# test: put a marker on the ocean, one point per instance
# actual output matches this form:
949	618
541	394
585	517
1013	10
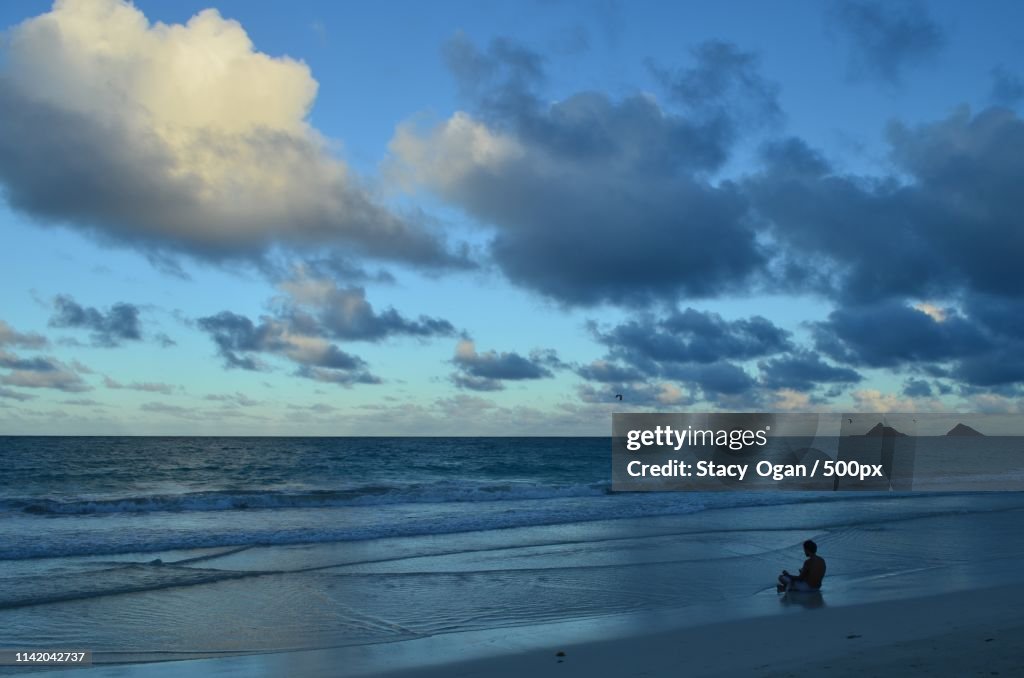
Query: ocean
148	549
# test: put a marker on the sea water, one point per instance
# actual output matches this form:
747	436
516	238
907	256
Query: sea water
165	548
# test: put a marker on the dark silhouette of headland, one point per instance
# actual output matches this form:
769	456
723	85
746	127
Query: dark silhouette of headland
880	430
963	430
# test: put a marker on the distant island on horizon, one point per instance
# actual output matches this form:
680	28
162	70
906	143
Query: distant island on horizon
963	430
881	430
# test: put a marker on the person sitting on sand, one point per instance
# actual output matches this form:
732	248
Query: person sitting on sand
810	575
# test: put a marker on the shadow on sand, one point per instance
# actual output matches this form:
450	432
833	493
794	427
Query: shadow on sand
811	600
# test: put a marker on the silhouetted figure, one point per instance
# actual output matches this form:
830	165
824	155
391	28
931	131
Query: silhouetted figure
810	575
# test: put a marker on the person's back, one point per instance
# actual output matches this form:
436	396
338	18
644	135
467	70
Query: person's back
811	574
813	571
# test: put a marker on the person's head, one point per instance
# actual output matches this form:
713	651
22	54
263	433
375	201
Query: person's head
810	548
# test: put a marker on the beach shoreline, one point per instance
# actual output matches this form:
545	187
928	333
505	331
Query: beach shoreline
630	595
977	632
953	634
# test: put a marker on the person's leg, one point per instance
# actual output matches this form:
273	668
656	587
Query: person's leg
784	582
797	585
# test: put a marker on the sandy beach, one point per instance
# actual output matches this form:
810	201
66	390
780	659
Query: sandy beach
976	633
916	586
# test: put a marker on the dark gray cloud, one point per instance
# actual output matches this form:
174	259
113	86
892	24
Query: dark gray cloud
980	345
1007	87
891	334
692	336
593	198
237	337
684	355
241	342
1001	367
319	306
343	372
312	312
947	225
886	38
804	370
715	380
14	362
917	388
500	80
119	323
487	371
792	158
590	203
1002	316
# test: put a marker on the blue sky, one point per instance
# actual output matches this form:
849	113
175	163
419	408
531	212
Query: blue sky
491	218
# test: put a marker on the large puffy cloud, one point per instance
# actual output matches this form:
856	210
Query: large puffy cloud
179	138
596	199
980	345
948	224
593	199
692	336
650	357
892	333
946	228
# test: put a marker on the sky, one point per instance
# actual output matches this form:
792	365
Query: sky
494	218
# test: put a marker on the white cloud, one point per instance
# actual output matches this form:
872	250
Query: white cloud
934	312
179	137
